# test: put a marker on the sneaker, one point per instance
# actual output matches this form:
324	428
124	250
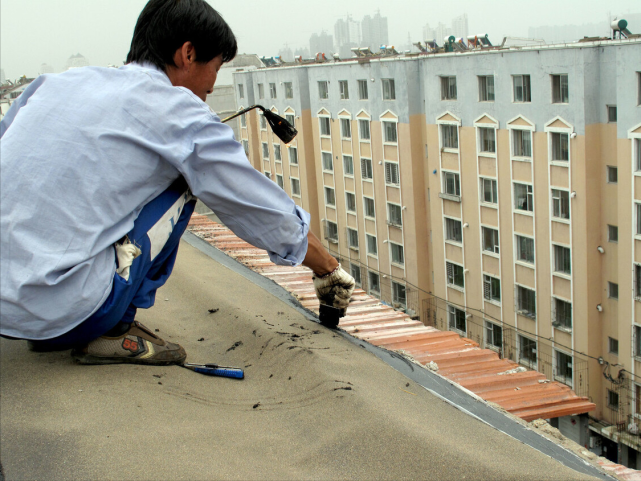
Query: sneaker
136	346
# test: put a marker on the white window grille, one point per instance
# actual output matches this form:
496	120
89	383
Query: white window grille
366	169
391	173
491	288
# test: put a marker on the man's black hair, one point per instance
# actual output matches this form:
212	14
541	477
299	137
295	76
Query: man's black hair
165	25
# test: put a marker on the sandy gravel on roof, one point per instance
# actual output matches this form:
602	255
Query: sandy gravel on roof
312	406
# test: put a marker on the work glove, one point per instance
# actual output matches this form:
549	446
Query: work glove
334	289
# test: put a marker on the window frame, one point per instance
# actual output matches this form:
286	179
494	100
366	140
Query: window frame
391	89
492	327
373	275
484	88
563	323
347	202
457	182
276	148
355	272
482	141
529	197
397	298
328	232
345	128
392	173
397	254
519	143
489	288
352	234
455	319
265	150
323	88
454	275
289	90
361	123
292	182
325	121
610	170
494	248
330	196
449	137
361	91
290	149
367	162
451	222
371	243
343	89
559	202
449	90
280	181
519	253
561	373
562	257
272	90
612	114
557	145
526	87
494	193
557	97
324	156
348	167
366	204
528	351
388	138
261	90
613	290
390	218
613	234
613	346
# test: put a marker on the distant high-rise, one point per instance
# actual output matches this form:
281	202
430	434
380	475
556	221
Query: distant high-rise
322	42
46	68
347	35
76	61
459	26
374	31
302	52
286	54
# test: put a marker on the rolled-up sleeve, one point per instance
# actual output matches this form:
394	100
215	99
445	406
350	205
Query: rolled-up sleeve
246	201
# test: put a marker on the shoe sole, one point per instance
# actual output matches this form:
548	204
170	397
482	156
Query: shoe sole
88	359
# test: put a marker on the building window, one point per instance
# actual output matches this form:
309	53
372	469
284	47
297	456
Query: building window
261	91
449	136
279	181
491	288
525	249
448	88
330	198
397	253
522	88
289	90
490	240
290	119
350	202
493	335
372	247
243	120
368	205
277	156
389	129
348	165
295	186
637	283
265	150
394	215
613	400
560	204
613	174
389	92
456	319
613	233
246	147
272	90
399	295
363	128
637	343
613	346
560	147
391	173
562	314
323	89
451	184
344	89
328	164
637	208
293	155
241	91
355	272
325	130
523	197
563	368
374	282
613	290
612	113
352	238
453	231
526	301
521	143
527	350
346	129
263	121
362	90
366	169
489	191
637	155
486	88
332	231
268	174
562	260
455	276
487	140
560	91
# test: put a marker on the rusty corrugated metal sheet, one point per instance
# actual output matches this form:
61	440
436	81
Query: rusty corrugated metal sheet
528	394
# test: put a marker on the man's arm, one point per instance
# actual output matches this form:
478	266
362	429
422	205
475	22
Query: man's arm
20	102
317	258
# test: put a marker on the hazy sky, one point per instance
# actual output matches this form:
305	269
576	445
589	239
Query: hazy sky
33	32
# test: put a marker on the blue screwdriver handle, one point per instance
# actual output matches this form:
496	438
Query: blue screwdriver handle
222	372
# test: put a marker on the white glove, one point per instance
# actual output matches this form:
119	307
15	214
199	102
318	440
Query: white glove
334	289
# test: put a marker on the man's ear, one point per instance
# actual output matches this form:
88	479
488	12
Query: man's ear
185	56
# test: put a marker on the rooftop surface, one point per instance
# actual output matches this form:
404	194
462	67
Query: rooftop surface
313	404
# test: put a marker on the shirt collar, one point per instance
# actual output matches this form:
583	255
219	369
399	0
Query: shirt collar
149	68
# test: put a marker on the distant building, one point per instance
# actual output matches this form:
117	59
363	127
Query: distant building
286	54
76	61
322	42
10	91
374	31
46	68
571	33
459	26
439	33
347	35
302	52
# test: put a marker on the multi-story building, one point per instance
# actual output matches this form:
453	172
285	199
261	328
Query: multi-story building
320	43
347	35
493	192
374	31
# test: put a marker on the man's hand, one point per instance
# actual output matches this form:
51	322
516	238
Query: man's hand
334	289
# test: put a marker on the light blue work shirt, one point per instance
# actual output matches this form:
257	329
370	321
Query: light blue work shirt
81	153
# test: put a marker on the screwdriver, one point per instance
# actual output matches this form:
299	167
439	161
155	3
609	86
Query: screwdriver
215	370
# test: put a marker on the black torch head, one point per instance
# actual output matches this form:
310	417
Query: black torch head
283	129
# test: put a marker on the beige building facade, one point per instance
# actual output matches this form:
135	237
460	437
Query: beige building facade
495	193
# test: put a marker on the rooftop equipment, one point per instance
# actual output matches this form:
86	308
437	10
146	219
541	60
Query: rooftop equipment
620	26
388	50
479	41
431	45
420	46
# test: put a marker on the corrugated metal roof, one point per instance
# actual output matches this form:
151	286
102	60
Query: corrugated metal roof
527	394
